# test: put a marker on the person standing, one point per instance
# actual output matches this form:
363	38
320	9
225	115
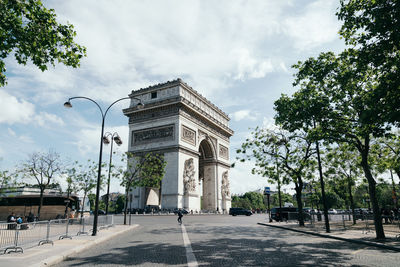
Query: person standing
180	215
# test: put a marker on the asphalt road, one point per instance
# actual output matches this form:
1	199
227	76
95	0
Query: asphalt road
215	240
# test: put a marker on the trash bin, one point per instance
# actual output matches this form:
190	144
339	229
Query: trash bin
319	217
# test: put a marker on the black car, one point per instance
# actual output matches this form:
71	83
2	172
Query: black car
239	211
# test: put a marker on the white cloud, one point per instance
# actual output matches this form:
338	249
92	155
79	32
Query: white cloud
250	67
206	43
244	114
87	140
13	110
315	26
269	123
44	118
241	179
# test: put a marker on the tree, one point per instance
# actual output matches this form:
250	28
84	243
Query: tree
256	200
142	171
240	202
343	164
30	31
119	204
343	110
386	152
285	197
85	178
267	165
291	151
5	180
43	167
372	27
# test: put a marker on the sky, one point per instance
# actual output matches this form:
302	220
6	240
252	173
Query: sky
238	54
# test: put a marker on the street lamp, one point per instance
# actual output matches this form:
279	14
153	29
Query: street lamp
103	116
114	137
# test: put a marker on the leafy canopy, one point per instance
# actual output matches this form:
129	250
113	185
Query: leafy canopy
30	32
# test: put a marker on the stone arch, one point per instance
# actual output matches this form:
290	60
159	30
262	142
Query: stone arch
207	175
193	135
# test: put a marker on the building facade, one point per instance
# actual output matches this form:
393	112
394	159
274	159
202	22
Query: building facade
193	135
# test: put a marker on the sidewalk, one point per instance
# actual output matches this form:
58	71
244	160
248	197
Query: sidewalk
355	234
47	255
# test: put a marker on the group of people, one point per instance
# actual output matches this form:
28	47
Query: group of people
389	215
12	219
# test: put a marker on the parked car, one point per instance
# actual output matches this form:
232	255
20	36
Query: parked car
332	211
239	211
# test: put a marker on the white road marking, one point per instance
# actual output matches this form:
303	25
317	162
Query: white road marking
191	259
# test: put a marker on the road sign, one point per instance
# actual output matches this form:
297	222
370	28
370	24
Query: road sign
267	190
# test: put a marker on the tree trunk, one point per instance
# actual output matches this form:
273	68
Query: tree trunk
351	200
279	193
321	180
83	204
394	194
40	202
126	204
299	187
380	234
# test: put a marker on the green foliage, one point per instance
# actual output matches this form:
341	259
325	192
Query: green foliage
84	178
333	200
281	156
145	171
240	202
274	199
256	200
31	33
372	27
119	204
5	179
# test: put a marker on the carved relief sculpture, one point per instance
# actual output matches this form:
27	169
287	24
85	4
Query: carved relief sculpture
225	185
223	152
157	134
188	135
189	181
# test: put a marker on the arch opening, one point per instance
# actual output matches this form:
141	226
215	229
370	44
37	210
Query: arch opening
207	178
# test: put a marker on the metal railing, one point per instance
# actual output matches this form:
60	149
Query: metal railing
17	237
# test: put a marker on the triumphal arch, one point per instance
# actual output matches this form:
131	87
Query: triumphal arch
193	135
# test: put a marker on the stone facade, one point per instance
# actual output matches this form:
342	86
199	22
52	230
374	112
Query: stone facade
193	135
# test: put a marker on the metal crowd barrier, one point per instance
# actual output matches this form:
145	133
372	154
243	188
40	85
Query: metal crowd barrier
17	237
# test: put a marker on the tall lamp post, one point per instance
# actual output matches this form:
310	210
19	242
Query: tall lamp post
114	138
103	116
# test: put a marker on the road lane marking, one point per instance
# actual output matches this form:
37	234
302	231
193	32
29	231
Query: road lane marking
357	251
191	259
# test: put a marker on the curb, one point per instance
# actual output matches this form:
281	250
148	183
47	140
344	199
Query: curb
59	258
362	242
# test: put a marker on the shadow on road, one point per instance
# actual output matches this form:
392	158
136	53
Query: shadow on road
226	246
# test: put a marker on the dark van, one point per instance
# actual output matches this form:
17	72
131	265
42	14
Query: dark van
282	214
287	213
239	211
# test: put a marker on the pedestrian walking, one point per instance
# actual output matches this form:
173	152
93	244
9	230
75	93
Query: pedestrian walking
180	215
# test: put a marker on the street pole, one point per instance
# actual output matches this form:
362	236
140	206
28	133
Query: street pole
103	116
269	210
114	138
109	177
